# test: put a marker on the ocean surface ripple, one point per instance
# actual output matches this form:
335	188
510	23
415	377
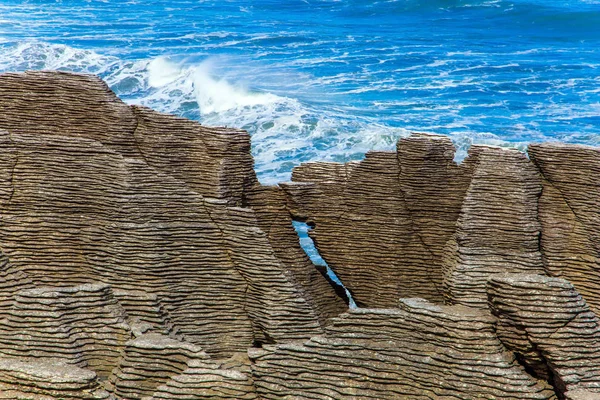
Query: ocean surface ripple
332	79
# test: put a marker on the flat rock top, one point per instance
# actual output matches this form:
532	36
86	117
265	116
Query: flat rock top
50	370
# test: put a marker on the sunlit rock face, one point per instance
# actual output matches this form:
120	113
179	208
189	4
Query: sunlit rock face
141	259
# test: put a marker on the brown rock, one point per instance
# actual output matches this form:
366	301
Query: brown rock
214	162
143	202
419	351
204	379
83	326
569	215
149	361
273	218
497	230
48	379
547	323
364	230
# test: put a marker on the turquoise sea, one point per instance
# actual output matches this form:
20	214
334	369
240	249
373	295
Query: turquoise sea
331	79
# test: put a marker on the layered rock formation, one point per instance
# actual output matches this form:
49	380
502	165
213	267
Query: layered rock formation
568	213
416	351
550	328
141	259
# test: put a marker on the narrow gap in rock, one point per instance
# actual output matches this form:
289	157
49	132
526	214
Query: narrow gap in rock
307	244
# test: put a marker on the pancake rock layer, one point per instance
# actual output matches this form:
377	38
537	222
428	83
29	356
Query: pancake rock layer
550	327
141	259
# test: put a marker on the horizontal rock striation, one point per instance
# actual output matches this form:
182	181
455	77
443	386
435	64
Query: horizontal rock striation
202	379
417	351
550	327
364	229
570	215
83	326
497	230
122	206
141	259
48	379
145	312
415	223
149	361
273	218
214	162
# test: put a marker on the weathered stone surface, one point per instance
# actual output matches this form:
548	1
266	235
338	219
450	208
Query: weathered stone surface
434	188
122	206
48	379
550	327
80	212
416	224
203	379
145	312
59	103
138	250
149	361
273	217
419	351
83	326
569	212
272	296
581	395
497	230
214	162
364	230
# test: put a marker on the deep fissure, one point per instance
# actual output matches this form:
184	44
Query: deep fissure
308	245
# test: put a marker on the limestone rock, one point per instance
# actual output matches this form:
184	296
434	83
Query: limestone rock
125	200
204	379
48	379
581	395
145	312
58	103
570	215
417	224
497	230
139	252
83	326
149	361
551	328
272	296
364	230
214	162
80	212
273	217
418	351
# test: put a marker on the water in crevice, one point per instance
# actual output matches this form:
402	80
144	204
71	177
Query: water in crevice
311	251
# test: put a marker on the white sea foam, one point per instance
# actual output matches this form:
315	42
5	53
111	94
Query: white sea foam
285	131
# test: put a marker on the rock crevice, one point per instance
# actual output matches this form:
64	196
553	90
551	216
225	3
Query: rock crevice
140	258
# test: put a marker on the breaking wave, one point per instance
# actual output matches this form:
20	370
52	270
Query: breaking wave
284	131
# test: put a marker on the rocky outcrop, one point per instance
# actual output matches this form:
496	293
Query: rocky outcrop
83	326
416	224
231	379
570	215
547	323
48	379
149	361
497	230
149	201
141	259
364	229
214	162
416	351
272	216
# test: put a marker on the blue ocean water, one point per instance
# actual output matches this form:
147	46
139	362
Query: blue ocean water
312	252
331	79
